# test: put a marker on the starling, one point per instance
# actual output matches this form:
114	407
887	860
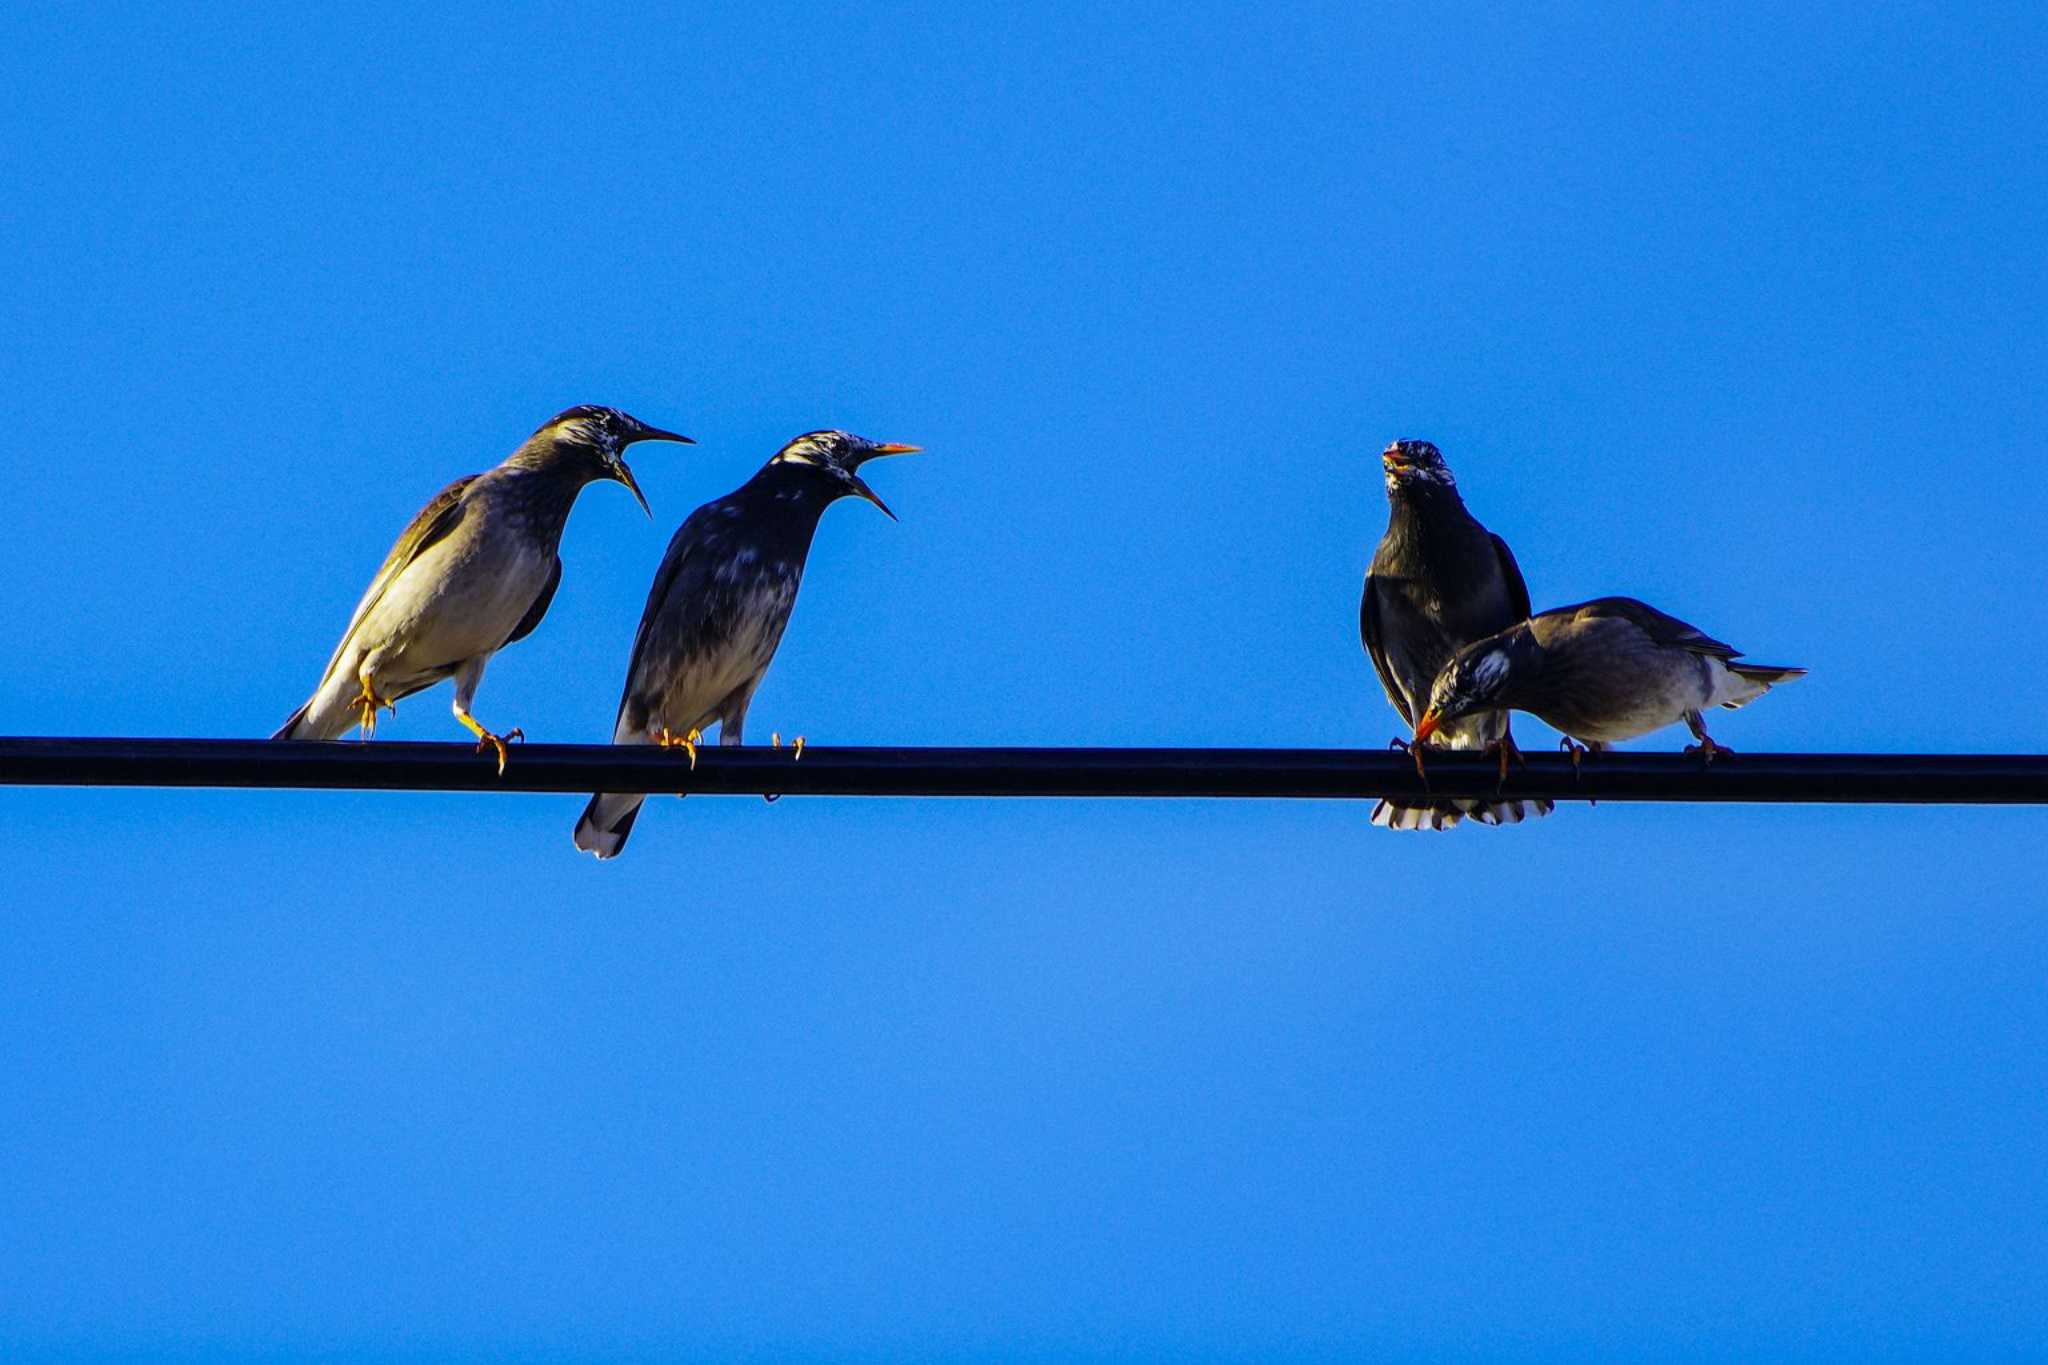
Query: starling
474	571
1438	581
718	607
1598	672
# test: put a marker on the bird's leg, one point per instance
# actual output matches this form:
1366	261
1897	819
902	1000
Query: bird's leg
468	675
367	701
687	743
485	737
1707	749
1576	751
1505	749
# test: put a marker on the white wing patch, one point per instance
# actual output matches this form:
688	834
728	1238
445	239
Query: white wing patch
1488	669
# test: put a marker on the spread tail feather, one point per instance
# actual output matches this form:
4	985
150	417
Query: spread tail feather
1449	814
606	822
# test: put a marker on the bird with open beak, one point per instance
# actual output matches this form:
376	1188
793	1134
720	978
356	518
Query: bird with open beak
1438	581
474	572
1599	672
718	607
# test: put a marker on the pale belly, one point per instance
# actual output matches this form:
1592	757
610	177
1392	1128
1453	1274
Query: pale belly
450	606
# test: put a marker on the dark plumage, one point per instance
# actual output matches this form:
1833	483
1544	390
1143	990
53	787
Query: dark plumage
718	607
474	571
1438	581
1599	672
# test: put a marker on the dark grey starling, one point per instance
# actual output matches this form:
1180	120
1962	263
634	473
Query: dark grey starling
718	607
474	571
1598	672
1438	581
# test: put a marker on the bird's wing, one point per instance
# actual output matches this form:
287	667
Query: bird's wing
1663	629
442	514
1518	588
539	607
681	574
1370	630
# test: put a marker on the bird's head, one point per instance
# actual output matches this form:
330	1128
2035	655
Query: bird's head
834	458
1415	465
598	437
1476	679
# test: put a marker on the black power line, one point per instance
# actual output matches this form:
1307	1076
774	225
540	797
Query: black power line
1924	779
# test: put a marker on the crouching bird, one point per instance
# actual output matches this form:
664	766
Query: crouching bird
474	571
1439	580
1599	672
718	607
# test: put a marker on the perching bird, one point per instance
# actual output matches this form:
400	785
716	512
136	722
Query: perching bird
474	571
1599	672
718	607
1438	581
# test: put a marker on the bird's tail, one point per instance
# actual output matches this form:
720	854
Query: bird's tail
606	822
1747	682
1452	812
326	714
1449	814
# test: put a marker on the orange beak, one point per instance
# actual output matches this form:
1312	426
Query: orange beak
1430	723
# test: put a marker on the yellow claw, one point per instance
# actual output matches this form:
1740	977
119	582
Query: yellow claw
775	741
688	743
367	701
483	737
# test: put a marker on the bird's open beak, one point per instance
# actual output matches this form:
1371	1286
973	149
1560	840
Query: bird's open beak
895	449
624	475
854	483
1431	722
1394	463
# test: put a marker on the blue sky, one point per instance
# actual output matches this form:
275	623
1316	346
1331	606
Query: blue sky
1739	311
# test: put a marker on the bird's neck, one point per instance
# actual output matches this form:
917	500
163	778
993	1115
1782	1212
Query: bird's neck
789	493
1421	516
549	481
545	455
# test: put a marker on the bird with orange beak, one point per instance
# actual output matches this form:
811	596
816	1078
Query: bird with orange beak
1599	672
1439	580
718	607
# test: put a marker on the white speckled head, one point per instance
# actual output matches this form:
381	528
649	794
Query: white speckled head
595	438
837	455
1473	680
1414	465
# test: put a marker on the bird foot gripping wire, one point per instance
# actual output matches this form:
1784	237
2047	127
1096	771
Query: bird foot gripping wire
498	743
485	740
1578	753
775	742
1414	751
687	743
1706	748
1505	749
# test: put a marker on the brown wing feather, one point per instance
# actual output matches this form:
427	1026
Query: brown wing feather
1664	629
440	516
